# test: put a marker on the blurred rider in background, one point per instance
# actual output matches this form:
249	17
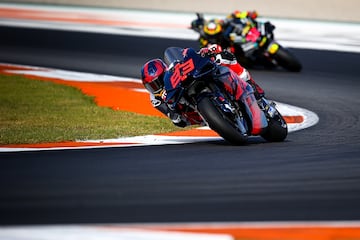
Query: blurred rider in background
153	71
225	32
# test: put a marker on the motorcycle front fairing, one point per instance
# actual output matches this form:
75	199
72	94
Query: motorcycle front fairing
183	63
185	66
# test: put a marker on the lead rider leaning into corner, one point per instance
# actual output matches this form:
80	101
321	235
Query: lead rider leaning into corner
152	74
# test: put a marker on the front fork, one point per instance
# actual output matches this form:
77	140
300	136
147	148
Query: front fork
232	112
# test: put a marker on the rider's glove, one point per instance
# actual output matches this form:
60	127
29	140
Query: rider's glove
210	50
214	48
204	51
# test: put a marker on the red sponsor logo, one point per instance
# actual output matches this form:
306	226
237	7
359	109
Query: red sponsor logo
181	71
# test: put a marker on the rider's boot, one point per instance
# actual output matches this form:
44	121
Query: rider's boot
258	91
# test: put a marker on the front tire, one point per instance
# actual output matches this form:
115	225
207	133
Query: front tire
219	122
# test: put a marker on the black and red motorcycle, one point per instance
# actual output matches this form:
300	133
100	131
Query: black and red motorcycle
257	48
195	84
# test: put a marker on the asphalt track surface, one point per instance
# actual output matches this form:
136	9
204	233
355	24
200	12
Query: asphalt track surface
313	175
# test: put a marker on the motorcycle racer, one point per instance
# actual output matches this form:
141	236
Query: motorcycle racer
152	75
246	17
153	71
226	32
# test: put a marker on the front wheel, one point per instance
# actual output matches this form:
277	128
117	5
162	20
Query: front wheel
219	122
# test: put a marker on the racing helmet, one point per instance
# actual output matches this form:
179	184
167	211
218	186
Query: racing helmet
243	14
238	14
212	30
152	75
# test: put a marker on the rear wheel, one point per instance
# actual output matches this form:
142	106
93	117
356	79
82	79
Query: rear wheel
287	60
277	129
219	122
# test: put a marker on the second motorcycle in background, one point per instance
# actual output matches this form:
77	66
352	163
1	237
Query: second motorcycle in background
251	41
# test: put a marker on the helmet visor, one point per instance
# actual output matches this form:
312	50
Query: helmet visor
156	85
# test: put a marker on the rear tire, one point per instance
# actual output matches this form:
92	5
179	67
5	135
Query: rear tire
277	129
219	122
287	60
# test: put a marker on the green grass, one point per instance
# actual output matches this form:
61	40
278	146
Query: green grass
34	111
